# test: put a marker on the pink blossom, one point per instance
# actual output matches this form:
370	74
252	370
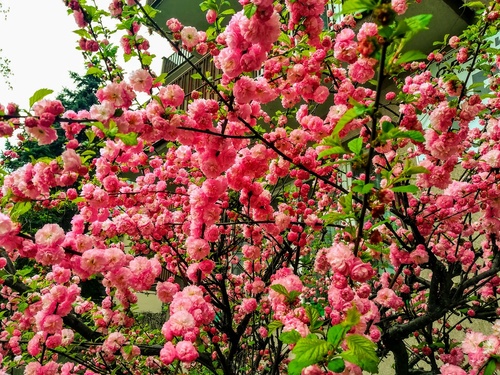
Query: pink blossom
168	353
399	6
113	342
211	16
492	158
244	90
197	248
186	352
6	225
387	298
419	256
166	291
141	80
338	255
362	70
360	271
44	136
189	37
248	305
50	235
180	322
71	160
448	369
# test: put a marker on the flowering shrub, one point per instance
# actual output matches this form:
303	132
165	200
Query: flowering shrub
329	201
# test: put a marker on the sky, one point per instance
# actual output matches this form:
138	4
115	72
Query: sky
38	39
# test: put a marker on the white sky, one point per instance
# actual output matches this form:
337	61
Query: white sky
38	39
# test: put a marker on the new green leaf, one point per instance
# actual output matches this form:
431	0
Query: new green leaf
39	95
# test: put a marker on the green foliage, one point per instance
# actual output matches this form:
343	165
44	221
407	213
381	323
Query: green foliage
39	95
308	351
249	10
362	352
358	6
83	95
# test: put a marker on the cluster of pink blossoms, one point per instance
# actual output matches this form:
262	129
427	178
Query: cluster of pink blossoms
247	41
189	311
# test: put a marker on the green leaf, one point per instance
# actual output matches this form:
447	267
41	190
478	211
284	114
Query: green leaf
405	189
348	116
416	170
273	326
150	11
362	352
475	5
414	135
25	271
310	350
387	126
358	6
346	202
312	315
292	296
332	151
90	135
39	95
336	334
290	337
419	22
160	78
227	12
196	76
336	365
278	288
333	217
356	145
249	10
295	368
22	306
19	209
95	71
130	139
367	188
410	56
147	59
352	317
490	367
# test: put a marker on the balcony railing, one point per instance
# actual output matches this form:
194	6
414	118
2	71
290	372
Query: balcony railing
188	84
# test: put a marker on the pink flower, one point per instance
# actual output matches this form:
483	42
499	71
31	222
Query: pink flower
71	161
248	305
174	25
197	248
166	291
168	353
171	95
448	369
186	352
338	255
50	235
244	90
419	256
361	271
211	16
362	70
492	158
387	298
141	80
189	37
6	225
180	322
44	135
399	6
113	342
